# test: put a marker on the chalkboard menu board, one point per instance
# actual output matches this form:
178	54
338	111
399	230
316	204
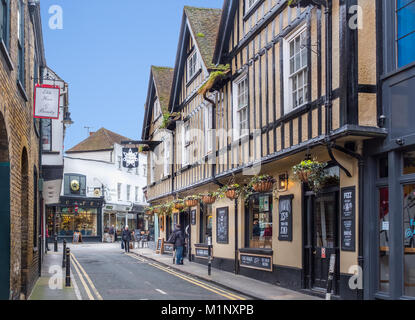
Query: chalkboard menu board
256	261
285	218
193	217
348	219
222	225
160	243
202	253
168	248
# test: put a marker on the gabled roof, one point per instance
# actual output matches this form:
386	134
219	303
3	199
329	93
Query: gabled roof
204	23
163	78
101	140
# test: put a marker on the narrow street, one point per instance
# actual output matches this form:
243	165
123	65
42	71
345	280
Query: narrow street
105	272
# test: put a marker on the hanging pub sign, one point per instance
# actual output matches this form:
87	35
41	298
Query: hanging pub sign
130	158
286	218
348	219
46	102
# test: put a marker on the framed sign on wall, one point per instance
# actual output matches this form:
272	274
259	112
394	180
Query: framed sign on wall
222	225
285	227
46	101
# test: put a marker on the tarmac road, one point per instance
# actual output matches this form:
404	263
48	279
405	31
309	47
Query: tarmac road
104	272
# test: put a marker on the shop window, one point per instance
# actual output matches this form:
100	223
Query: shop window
260	222
384	235
85	222
409	239
206	223
405	13
409	162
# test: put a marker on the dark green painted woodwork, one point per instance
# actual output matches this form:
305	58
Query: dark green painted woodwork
4	230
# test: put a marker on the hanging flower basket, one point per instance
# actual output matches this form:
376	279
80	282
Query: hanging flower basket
208	199
231	194
149	211
157	209
178	204
263	183
191	201
310	172
232	191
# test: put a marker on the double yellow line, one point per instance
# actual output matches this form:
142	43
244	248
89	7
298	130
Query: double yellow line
83	276
221	292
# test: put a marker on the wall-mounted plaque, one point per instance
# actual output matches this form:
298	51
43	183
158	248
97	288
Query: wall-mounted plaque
202	253
348	219
193	217
222	225
254	261
285	226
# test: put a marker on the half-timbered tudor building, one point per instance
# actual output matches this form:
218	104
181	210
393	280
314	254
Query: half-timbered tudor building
302	84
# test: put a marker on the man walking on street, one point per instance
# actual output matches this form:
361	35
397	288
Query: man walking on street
178	244
126	237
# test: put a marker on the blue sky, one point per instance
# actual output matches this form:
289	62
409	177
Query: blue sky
105	51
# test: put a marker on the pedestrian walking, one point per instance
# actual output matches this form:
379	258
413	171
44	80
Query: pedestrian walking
178	240
112	233
126	237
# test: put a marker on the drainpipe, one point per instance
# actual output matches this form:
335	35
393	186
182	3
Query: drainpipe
236	238
329	70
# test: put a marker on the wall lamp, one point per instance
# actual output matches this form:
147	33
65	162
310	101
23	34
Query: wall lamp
283	182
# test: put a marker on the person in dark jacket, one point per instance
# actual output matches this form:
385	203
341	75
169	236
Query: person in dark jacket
178	244
126	237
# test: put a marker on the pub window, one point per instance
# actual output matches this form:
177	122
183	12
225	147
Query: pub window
405	12
192	66
383	167
409	162
260	222
46	134
206	223
241	108
4	21
409	239
296	70
20	42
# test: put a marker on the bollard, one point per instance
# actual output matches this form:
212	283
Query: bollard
68	268
330	276
64	254
210	255
55	243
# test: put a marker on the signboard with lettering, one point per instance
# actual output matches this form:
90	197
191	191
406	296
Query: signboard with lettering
348	219
193	217
202	253
160	245
253	261
222	225
168	248
285	218
46	102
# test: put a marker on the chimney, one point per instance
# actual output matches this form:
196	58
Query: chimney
91	133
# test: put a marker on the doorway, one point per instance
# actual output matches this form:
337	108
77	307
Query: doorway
24	224
4	212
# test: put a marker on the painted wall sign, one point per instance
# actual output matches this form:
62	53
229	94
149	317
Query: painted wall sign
222	225
348	219
256	261
46	102
130	158
193	217
285	218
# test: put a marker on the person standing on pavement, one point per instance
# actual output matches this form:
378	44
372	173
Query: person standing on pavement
126	237
112	232
178	244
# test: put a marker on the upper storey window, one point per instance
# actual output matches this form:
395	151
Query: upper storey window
249	4
4	22
20	38
192	65
405	14
241	120
156	109
296	70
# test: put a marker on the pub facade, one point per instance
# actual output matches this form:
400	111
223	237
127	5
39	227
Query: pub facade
293	81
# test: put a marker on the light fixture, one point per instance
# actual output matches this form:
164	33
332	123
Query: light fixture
283	182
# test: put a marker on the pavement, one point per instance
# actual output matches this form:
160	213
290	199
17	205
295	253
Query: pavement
51	284
252	288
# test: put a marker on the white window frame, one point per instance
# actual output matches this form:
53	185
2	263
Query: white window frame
192	58
128	192
288	84
250	4
119	186
208	118
237	134
136	193
119	163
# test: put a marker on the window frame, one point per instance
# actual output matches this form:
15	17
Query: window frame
21	67
119	193
167	156
5	16
249	7
237	134
186	144
397	39
288	76
192	57
156	110
208	119
128	192
42	122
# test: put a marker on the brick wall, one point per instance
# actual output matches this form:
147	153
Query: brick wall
22	138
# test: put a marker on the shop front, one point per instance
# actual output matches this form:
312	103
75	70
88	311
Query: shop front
74	215
119	216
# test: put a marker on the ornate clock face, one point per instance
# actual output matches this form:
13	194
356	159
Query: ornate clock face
75	185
